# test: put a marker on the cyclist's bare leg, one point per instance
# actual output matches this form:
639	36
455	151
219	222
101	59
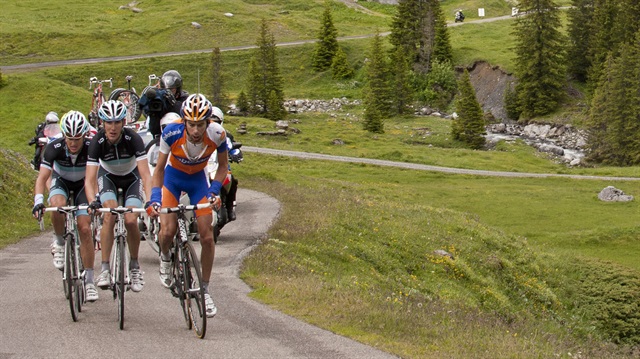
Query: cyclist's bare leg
133	234
167	232
208	247
106	234
87	251
57	219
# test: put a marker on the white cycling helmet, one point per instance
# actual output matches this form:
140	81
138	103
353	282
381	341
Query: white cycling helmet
74	124
112	111
218	115
169	118
51	117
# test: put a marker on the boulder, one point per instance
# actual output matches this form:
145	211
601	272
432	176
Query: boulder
612	194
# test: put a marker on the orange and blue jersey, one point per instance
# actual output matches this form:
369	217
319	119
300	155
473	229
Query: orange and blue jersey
186	169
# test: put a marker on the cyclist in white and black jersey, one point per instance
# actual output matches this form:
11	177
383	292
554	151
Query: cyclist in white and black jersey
65	160
117	159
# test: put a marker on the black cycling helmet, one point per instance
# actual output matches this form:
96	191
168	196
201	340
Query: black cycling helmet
171	80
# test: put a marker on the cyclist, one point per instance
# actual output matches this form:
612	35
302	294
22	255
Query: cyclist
65	159
185	148
117	159
235	155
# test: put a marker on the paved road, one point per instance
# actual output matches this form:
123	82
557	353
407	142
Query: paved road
421	167
40	65
35	320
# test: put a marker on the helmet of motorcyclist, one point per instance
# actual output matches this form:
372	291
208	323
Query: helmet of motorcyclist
169	118
218	115
112	111
74	124
51	117
171	80
196	108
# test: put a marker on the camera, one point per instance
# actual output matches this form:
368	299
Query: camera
154	100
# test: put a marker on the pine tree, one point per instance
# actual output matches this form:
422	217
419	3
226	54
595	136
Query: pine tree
580	27
376	99
243	102
264	73
275	112
614	121
402	92
340	68
218	97
468	127
602	40
327	45
419	27
442	50
540	58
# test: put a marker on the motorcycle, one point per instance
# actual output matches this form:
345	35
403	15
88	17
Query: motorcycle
230	183
459	16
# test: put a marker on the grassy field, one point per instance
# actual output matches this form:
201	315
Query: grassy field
538	268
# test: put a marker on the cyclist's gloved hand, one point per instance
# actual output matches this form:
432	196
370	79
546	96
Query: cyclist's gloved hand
215	201
152	208
95	205
37	211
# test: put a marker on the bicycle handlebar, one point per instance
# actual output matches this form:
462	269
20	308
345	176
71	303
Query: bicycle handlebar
94	80
182	208
121	210
61	209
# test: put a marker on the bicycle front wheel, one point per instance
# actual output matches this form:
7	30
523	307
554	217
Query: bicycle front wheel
119	285
194	291
69	265
179	287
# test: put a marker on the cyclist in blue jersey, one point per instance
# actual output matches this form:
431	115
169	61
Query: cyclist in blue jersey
117	159
65	160
185	148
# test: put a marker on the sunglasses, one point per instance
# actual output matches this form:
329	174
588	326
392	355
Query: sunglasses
71	138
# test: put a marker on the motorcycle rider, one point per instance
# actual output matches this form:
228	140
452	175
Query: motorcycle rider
235	155
51	125
185	148
459	16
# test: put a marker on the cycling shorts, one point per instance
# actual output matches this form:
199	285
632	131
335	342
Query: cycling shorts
62	187
131	185
194	185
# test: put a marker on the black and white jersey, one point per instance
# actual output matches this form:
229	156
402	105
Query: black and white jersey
119	159
58	159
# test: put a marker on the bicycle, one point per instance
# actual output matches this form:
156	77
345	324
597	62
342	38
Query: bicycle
119	260
130	99
97	100
73	270
187	272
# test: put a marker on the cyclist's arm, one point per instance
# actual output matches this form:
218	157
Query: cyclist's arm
143	169
223	166
158	174
91	182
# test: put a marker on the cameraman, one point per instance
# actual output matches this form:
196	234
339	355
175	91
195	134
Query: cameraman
156	103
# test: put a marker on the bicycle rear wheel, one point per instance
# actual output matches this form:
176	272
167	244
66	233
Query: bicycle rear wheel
119	285
69	265
194	290
130	100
